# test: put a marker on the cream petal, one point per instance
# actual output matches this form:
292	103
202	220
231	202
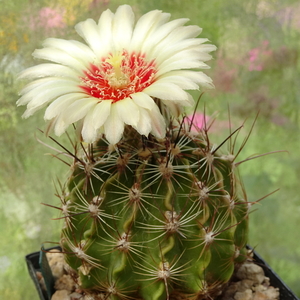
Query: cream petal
43	98
164	31
181	81
36	83
122	27
196	76
60	126
158	123
144	125
78	50
113	127
32	85
145	27
156	35
61	104
46	91
202	55
199	78
101	113
105	32
185	59
181	64
89	132
128	111
78	110
188	102
143	100
60	57
175	108
182	33
88	30
169	27
169	50
208	48
167	91
203	80
174	40
48	69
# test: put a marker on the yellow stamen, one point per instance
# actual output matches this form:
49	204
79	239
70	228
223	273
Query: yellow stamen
117	77
115	60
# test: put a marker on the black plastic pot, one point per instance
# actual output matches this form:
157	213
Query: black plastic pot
37	262
285	292
33	265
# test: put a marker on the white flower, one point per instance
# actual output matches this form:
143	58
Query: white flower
114	79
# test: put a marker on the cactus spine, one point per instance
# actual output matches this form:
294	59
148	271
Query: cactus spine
154	219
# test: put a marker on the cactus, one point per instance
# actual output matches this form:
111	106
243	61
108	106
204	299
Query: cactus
152	210
154	218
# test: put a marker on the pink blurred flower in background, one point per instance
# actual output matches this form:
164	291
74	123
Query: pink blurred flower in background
198	119
51	18
204	122
258	56
48	19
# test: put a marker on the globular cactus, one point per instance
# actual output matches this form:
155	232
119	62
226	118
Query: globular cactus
152	210
154	218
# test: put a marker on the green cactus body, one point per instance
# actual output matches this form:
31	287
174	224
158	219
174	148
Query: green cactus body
154	219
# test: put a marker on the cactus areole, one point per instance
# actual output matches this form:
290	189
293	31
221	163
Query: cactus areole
152	209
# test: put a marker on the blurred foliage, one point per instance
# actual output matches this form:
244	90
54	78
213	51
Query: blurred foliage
256	68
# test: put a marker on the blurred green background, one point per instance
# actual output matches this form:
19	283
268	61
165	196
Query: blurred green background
256	68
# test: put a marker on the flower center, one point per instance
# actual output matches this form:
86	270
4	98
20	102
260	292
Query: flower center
118	76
